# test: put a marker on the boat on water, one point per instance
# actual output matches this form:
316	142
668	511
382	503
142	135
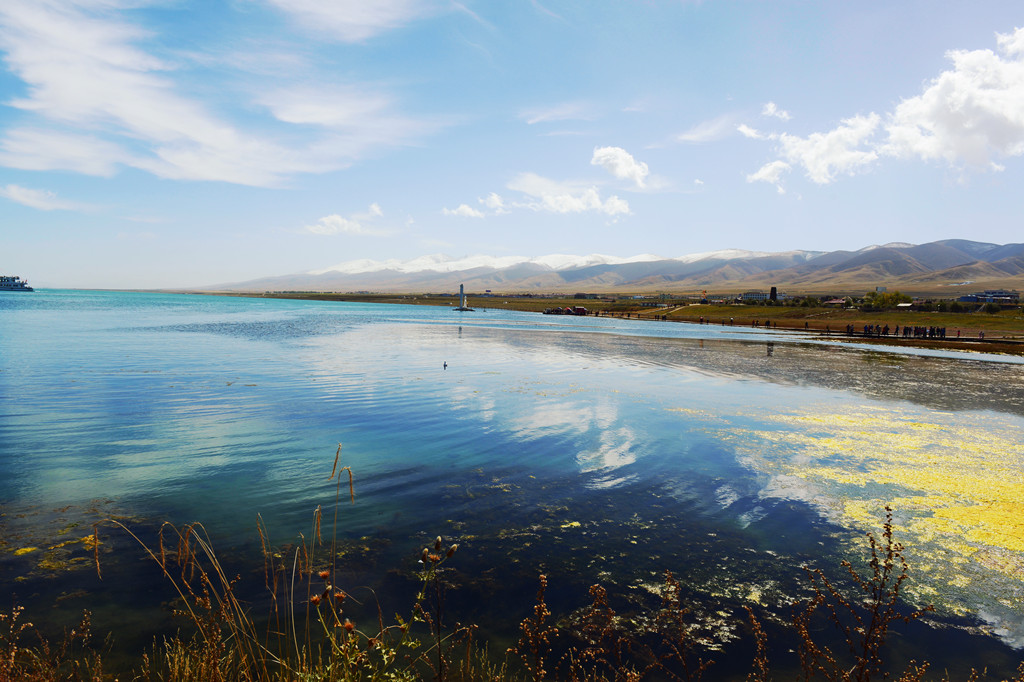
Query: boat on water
13	283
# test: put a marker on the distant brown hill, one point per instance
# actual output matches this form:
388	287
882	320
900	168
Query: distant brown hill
945	268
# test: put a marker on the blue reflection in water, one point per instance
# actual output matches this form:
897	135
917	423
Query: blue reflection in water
192	408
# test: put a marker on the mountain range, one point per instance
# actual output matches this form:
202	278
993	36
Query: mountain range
948	268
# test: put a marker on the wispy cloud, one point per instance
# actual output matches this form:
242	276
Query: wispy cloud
324	104
346	119
354	20
709	131
544	10
84	72
567	111
97	100
44	200
48	149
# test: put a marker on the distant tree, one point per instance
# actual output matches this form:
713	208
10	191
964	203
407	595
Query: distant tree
884	300
992	308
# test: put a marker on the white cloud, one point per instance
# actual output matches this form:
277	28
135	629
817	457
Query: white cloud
331	106
823	155
708	131
335	224
83	70
555	197
495	203
44	200
971	114
47	149
771	110
354	20
1011	44
90	81
772	174
356	224
348	119
620	163
754	134
464	211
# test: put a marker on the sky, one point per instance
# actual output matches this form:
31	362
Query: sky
186	143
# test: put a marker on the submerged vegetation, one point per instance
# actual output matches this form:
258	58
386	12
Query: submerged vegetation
315	627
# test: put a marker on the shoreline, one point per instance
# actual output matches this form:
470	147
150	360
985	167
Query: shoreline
993	342
828	323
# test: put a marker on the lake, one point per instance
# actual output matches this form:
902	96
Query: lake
591	449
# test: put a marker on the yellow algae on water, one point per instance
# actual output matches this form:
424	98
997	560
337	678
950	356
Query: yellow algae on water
955	481
959	581
24	550
998	524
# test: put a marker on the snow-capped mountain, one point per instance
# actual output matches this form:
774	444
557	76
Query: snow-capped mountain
895	264
442	263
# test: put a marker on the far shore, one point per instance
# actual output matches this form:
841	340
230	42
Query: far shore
1001	332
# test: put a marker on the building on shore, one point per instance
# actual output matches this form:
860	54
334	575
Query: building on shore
1001	296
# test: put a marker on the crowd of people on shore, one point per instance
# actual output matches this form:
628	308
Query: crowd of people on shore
907	332
868	330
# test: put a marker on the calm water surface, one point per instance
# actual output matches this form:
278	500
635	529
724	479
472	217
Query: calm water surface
592	449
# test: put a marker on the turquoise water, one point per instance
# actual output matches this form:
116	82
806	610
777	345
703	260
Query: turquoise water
592	449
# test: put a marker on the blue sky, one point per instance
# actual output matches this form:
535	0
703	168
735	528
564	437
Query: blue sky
169	143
